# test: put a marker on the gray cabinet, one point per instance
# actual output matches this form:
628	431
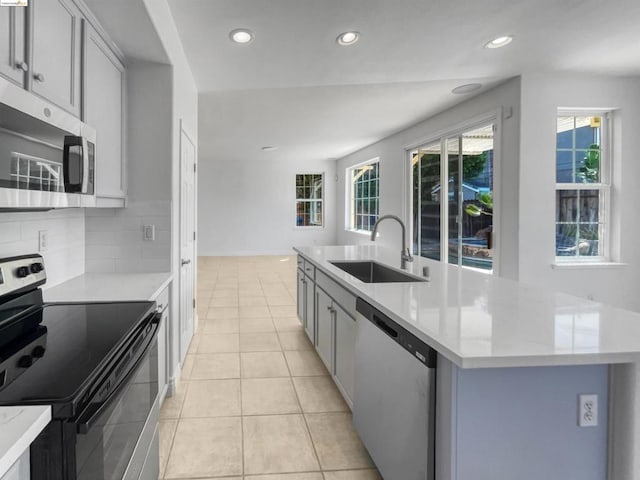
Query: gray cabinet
55	66
13	54
306	298
104	109
332	326
324	327
345	347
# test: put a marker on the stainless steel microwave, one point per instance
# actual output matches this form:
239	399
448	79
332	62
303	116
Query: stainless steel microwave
47	156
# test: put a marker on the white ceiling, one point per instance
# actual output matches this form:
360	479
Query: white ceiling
294	87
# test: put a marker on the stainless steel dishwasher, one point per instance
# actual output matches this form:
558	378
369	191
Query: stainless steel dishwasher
394	396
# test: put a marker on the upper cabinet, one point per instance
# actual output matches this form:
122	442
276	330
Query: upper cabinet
57	50
104	109
13	62
55	70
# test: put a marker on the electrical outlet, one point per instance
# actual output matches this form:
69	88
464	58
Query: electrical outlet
588	410
149	233
43	240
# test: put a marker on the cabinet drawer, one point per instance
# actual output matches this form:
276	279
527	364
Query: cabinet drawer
309	270
162	300
340	295
301	262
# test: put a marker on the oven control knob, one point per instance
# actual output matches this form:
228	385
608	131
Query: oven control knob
38	352
36	267
22	272
25	361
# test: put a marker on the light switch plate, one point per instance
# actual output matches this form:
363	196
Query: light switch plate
149	233
43	240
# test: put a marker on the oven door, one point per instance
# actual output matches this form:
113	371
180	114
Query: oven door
114	441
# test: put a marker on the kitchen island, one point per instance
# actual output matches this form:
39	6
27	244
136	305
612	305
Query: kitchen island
513	360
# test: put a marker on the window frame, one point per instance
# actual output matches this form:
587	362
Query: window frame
604	187
309	200
350	199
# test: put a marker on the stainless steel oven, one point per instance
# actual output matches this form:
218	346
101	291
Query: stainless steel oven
96	364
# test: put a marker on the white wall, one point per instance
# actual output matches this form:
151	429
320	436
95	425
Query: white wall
247	205
393	182
64	258
542	95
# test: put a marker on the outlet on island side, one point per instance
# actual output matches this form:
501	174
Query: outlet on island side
588	410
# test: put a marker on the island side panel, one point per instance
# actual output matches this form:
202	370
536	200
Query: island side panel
521	423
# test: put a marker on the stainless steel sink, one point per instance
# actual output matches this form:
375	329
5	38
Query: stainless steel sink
374	272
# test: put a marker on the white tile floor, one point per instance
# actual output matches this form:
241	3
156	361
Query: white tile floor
255	401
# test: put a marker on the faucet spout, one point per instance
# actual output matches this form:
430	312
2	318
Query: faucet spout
405	256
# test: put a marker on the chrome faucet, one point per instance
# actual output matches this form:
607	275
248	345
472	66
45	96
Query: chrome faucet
405	256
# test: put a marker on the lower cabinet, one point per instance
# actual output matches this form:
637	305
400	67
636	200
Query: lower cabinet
20	470
345	347
310	320
325	327
163	344
301	307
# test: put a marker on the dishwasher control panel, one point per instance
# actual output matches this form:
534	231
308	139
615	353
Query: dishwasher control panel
416	347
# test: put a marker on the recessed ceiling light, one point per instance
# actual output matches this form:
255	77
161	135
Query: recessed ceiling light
241	35
269	149
499	41
468	88
347	38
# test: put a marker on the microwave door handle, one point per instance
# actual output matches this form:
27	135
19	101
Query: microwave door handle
86	420
69	142
84	162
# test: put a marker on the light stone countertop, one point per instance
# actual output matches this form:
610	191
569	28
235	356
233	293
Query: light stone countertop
109	287
19	426
478	320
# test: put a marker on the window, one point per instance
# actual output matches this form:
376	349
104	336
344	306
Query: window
309	199
364	196
582	186
452	198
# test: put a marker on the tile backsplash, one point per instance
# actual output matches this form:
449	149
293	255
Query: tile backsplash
115	243
64	257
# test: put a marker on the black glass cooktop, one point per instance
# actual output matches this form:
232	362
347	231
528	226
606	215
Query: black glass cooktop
79	341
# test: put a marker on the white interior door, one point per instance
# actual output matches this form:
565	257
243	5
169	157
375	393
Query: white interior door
187	240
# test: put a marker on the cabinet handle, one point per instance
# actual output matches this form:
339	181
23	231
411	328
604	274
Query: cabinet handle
38	77
184	262
22	66
330	309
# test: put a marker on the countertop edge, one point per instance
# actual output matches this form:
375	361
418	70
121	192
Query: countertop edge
473	362
40	418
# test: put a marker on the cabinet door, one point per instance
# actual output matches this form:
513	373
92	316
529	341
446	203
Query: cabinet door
345	347
324	328
162	355
103	109
301	297
55	56
310	313
12	44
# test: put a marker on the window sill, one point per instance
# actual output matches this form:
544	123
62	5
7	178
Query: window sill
586	265
359	232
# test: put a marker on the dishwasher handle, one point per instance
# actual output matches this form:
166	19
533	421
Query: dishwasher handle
382	325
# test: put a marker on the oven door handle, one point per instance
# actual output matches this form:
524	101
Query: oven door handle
88	417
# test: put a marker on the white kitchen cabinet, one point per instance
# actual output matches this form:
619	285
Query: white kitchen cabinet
55	66
20	470
324	327
301	307
104	109
12	44
162	303
345	349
